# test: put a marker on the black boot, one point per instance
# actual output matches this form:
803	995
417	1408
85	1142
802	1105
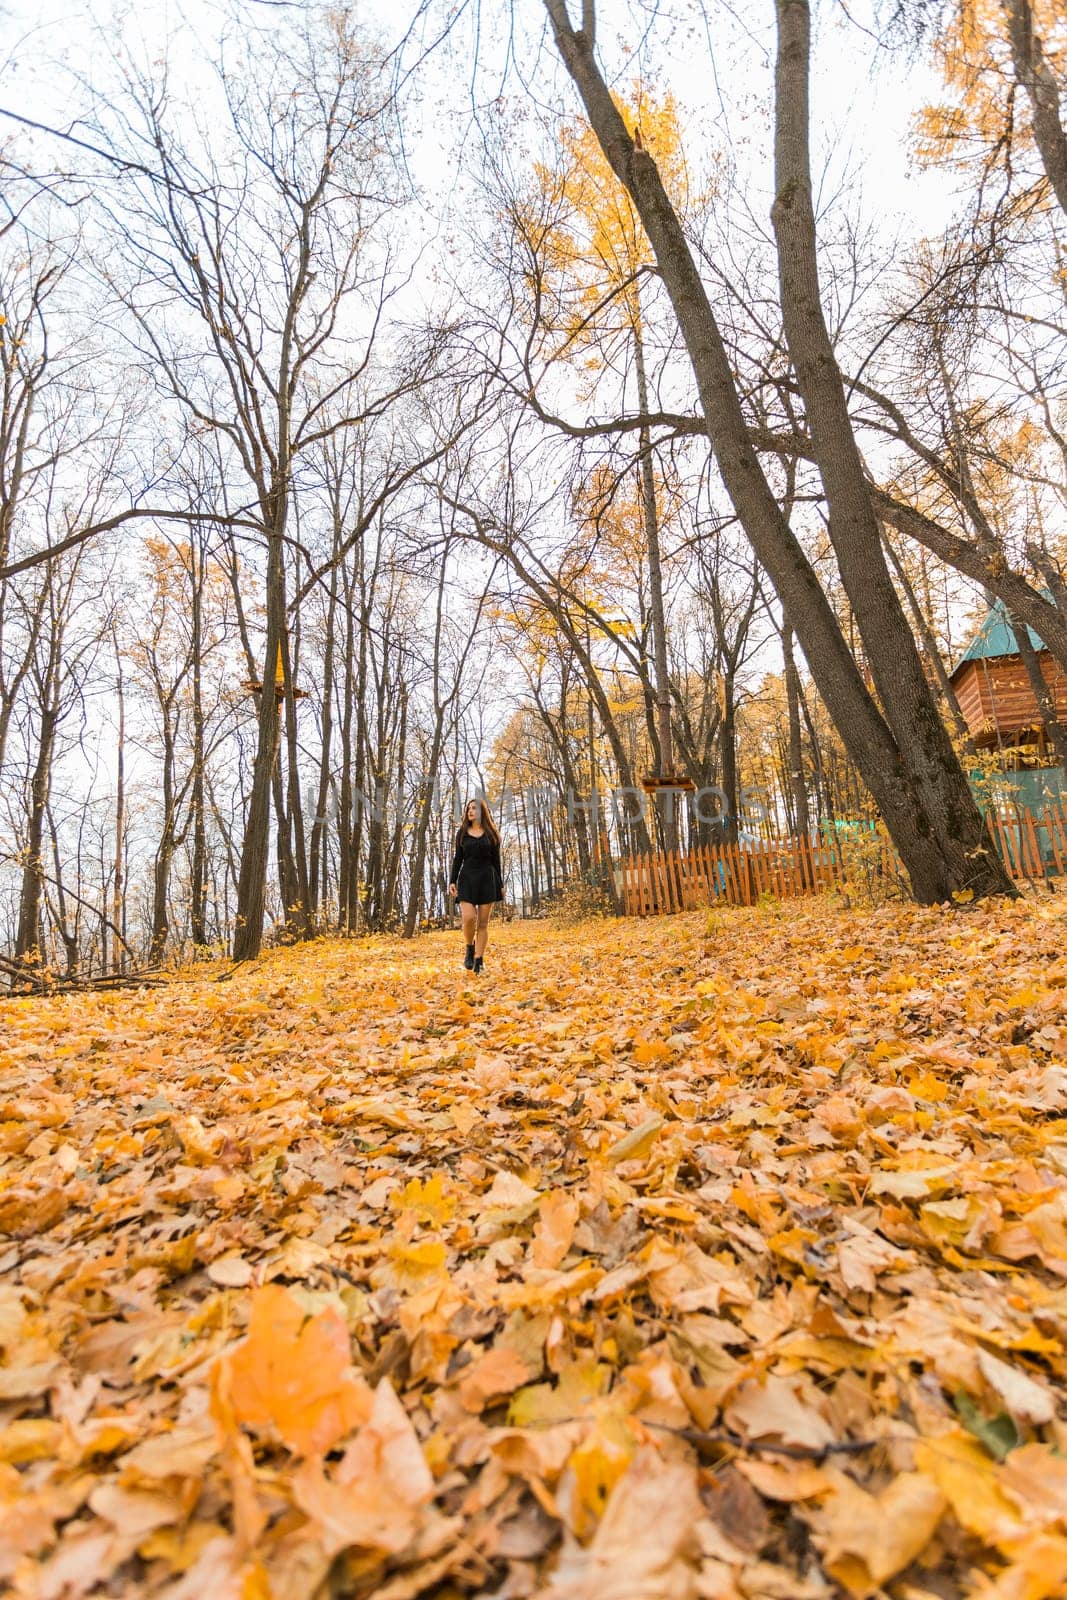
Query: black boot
468	959
477	963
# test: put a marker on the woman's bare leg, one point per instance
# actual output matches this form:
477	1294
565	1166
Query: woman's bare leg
481	938
469	917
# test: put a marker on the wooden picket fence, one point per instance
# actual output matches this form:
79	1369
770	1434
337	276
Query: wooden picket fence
1032	845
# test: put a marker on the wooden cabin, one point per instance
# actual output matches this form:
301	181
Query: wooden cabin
995	696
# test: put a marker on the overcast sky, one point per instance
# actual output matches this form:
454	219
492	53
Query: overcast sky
863	103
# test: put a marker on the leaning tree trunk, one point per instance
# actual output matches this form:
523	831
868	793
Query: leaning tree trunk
635	826
198	865
858	720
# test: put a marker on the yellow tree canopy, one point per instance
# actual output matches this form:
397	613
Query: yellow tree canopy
985	110
598	241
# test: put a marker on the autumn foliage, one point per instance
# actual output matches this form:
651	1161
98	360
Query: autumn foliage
719	1257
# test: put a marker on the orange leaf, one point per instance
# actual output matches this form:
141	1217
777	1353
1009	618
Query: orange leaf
500	1371
295	1374
380	1488
555	1228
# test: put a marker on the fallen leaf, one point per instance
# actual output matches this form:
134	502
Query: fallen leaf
797	1481
632	1146
230	1272
294	1373
375	1499
499	1372
645	1545
867	1539
1024	1398
557	1218
774	1410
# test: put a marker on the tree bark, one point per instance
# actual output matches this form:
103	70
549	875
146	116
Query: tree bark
298	918
798	789
118	883
168	836
255	846
728	756
28	937
317	864
946	809
1042	91
198	875
840	683
650	514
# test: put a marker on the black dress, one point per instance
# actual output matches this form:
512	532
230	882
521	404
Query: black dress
476	869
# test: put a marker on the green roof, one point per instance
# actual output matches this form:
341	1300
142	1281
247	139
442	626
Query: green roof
996	637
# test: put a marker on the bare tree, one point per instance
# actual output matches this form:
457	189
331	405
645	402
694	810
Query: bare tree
258	293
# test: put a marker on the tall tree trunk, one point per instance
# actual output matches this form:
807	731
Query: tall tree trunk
839	680
298	918
361	741
798	789
255	847
1042	90
68	932
344	799
28	937
118	879
317	865
728	754
288	885
650	514
165	850
198	874
933	653
602	867
428	786
390	896
417	858
945	807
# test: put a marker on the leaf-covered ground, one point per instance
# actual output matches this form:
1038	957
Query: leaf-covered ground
719	1257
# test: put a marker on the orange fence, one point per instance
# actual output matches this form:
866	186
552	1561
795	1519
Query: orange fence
1032	844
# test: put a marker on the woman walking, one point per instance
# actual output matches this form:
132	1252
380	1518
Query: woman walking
476	879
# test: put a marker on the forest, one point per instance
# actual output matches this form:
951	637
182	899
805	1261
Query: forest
646	419
396	409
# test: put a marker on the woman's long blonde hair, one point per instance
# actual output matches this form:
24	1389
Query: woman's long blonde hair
486	820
